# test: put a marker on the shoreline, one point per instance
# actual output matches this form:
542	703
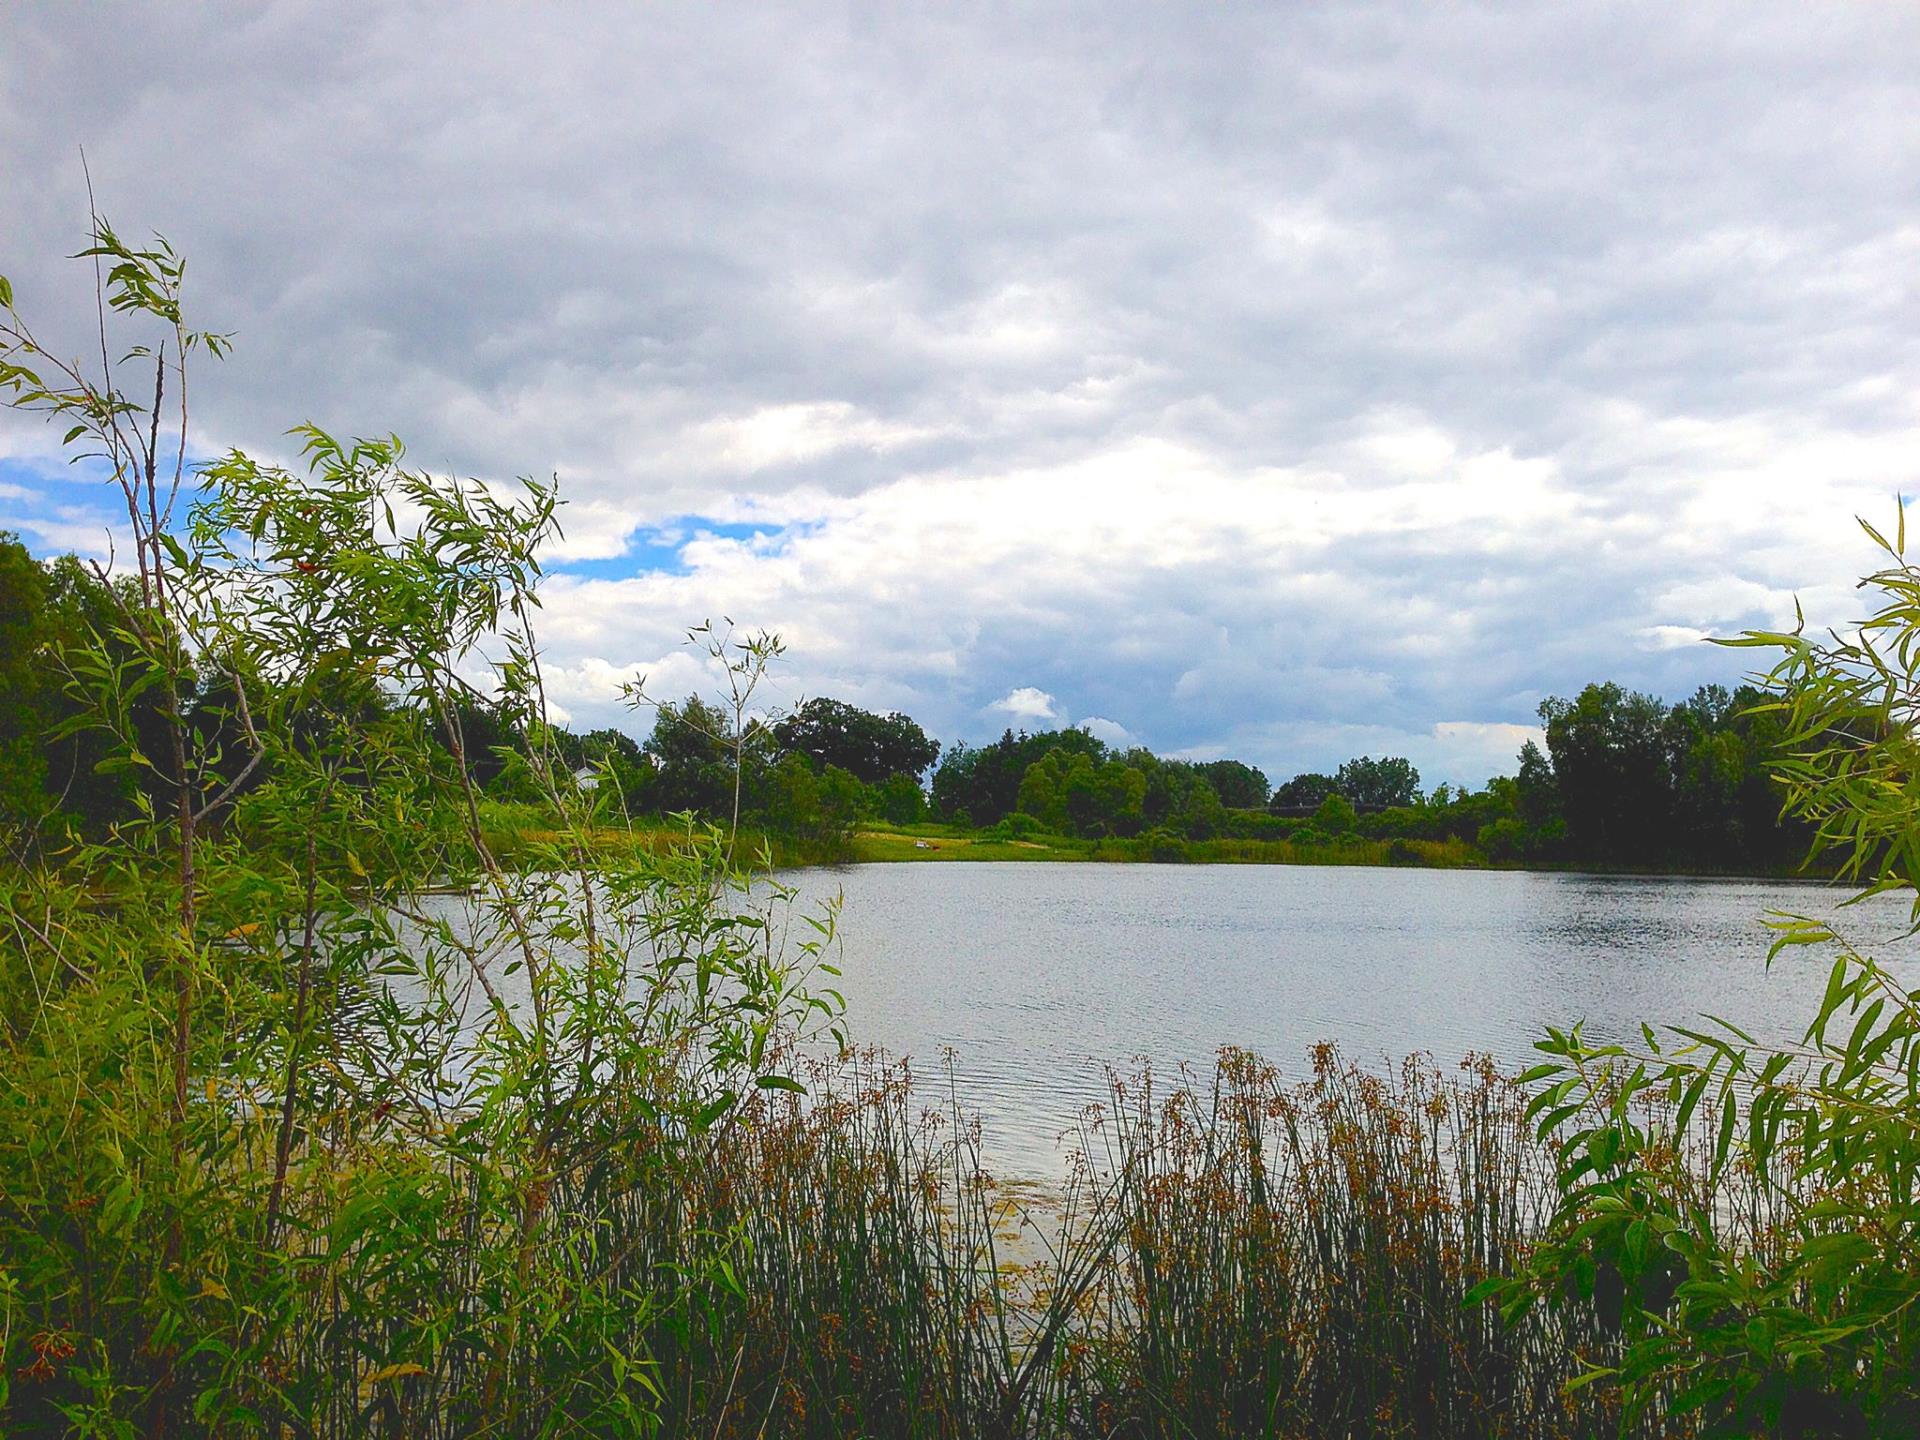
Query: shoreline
916	845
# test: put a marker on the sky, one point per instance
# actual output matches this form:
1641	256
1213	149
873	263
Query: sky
1282	382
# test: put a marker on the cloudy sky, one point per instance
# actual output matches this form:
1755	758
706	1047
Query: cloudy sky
1284	382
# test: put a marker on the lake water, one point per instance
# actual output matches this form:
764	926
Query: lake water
1039	975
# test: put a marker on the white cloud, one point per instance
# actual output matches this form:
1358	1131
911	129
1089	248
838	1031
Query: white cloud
1026	702
1670	637
1476	749
1112	732
777	435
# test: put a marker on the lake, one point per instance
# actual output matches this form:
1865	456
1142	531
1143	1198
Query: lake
1038	975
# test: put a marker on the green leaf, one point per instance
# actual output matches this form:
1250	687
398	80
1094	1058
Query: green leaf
1589	1377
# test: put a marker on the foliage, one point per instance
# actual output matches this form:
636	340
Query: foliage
981	785
58	771
1637	781
899	800
1239	785
872	748
23	631
1768	1287
1302	792
1387	781
792	799
692	747
315	1117
1073	795
1336	815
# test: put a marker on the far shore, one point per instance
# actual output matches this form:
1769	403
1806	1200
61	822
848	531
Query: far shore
883	844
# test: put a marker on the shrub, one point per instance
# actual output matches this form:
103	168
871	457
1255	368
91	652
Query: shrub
1336	815
1163	847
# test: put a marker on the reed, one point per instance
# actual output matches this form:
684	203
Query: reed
1232	1255
1294	1260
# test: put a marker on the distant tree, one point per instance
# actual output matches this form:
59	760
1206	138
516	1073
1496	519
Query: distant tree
1201	815
873	748
48	613
899	800
487	740
981	785
787	796
1075	794
1390	780
1120	794
1302	791
1173	787
1040	792
1239	786
596	747
623	774
1611	757
1537	791
693	750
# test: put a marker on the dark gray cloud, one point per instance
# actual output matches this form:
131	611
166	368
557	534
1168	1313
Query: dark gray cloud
1278	378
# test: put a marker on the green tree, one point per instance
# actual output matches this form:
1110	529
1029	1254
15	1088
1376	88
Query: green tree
899	800
1336	815
1201	816
24	701
1302	792
693	751
1537	791
1610	759
981	785
1239	786
1390	780
873	748
1041	791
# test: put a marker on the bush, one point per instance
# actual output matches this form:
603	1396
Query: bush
1505	839
1336	815
1163	847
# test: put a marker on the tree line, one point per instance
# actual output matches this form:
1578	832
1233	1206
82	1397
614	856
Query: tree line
1624	779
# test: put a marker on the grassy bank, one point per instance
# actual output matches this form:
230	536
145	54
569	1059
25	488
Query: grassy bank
882	843
519	833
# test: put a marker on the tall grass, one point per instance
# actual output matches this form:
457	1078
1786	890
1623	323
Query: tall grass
1234	1256
1240	1258
1294	1260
